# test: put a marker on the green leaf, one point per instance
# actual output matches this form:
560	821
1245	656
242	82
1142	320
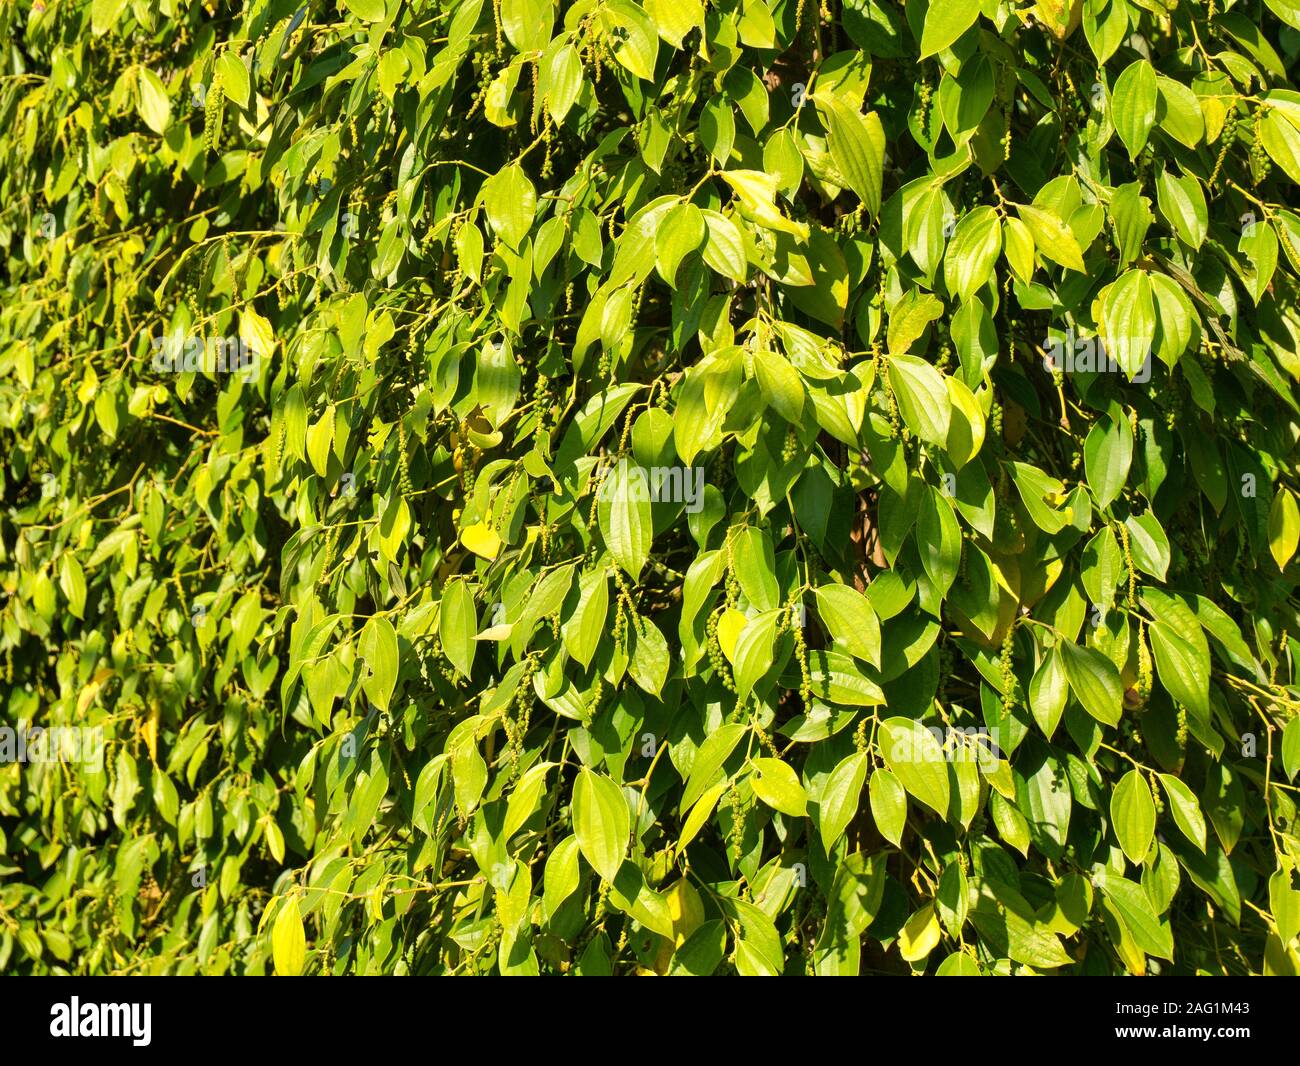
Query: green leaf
630	894
624	514
469	251
526	799
840	798
1128	323
586	626
945	21
782	158
755	567
1284	901
394	525
1260	244
1036	490
497	378
958	964
781	385
1107	456
155	108
709	759
1183	668
888	805
1148	545
1018	247
637	44
836	679
939	540
700	814
1048	691
725	249
544	600
851	620
857	144
1043	794
1094	681
72	580
755	652
1281	140
674	19
973	250
510	200
1131	214
1052	237
758	944
922	397
1289	12
560	878
1133	105
953	898
1179	112
1010	823
320	440
1182	653
916	759
601	822
1134	906
1175	316
1009	928
1133	815
1185	809
378	650
366	10
756	196
702	952
104	14
527	23
919	935
909	319
563	81
1291	748
1182	203
234	77
702	402
458	626
682	232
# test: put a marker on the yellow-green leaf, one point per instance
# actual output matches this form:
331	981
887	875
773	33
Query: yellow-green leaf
1283	528
777	785
288	940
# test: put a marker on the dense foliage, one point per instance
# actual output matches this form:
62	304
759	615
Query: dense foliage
678	486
